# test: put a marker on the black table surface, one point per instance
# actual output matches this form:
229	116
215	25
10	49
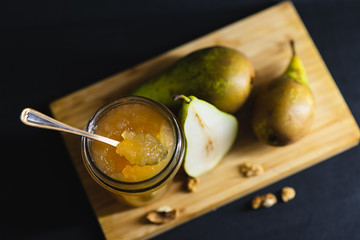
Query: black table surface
51	48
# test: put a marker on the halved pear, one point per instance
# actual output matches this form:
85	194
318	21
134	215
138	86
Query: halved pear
209	134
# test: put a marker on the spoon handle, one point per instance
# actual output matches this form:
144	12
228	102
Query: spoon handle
34	118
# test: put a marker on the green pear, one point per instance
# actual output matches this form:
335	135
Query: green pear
283	110
209	134
219	75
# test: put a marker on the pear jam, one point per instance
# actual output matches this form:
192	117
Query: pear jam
151	149
146	143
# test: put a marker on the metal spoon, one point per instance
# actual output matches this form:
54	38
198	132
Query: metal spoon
34	118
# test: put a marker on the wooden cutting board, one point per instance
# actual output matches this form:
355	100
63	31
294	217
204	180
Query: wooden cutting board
264	38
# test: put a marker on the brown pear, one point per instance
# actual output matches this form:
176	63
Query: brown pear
283	110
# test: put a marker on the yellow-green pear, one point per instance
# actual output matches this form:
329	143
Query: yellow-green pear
219	75
283	110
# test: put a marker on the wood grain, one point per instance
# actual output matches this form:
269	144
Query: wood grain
264	38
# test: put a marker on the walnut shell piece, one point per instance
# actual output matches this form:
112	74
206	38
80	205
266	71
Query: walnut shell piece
266	200
162	215
251	169
287	193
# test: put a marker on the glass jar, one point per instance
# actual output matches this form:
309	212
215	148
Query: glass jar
142	111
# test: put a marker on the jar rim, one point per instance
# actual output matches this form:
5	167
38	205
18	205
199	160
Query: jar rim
146	184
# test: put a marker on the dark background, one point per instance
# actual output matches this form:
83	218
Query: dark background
51	48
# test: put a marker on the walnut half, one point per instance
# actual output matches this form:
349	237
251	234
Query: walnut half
267	200
251	169
287	193
162	215
192	184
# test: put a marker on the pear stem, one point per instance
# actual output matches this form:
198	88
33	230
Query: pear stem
182	96
292	45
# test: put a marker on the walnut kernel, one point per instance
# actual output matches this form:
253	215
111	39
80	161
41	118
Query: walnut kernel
162	215
267	200
192	184
256	202
251	169
287	193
